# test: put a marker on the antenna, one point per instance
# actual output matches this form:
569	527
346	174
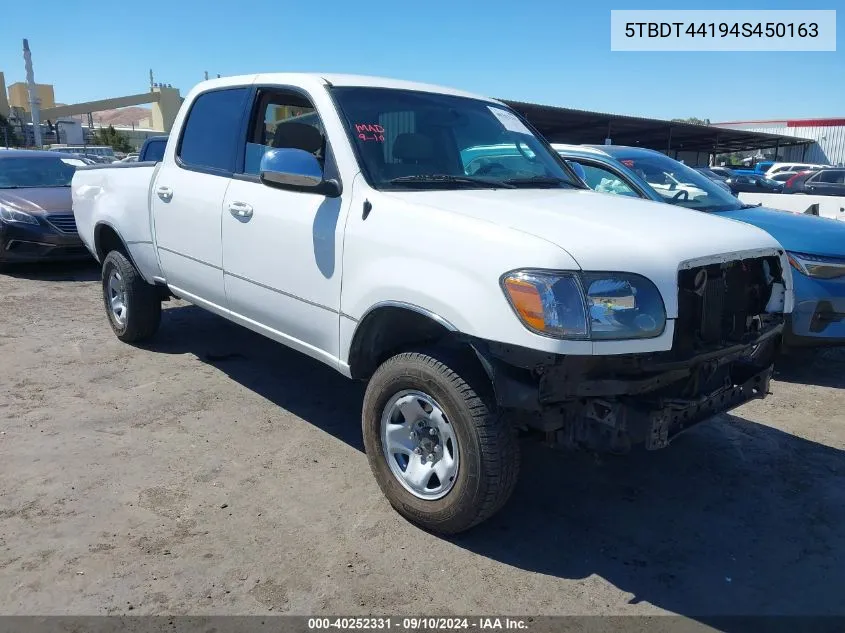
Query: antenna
151	80
206	75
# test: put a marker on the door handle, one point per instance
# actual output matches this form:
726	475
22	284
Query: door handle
241	210
165	193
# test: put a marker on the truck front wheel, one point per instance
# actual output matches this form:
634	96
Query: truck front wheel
133	306
439	448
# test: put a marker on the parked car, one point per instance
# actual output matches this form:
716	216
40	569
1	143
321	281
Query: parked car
153	149
758	168
473	295
779	167
825	182
724	172
712	175
763	166
36	220
783	176
816	246
98	153
753	183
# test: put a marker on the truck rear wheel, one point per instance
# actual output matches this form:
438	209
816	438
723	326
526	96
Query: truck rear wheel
439	448
133	306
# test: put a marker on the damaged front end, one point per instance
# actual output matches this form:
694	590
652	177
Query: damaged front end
726	335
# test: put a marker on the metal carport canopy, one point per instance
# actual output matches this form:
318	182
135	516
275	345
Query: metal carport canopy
565	125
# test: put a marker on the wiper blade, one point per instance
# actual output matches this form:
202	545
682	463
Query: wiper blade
449	179
539	180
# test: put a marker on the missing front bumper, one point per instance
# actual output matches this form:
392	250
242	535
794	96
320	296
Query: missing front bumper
611	403
615	425
674	418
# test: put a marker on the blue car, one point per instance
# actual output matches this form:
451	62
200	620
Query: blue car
815	246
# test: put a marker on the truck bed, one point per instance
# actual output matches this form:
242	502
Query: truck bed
117	196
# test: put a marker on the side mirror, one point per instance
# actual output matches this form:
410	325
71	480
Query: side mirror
296	170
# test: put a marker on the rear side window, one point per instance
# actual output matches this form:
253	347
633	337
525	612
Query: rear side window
832	176
210	134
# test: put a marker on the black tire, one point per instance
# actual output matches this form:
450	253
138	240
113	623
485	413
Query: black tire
487	443
142	300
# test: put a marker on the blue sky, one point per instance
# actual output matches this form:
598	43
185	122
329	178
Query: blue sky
546	51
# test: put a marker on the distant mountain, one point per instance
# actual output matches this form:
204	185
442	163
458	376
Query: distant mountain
118	117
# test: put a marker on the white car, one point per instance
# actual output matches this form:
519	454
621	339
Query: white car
353	219
779	167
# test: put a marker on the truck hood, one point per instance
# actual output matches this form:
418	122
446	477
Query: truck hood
603	232
37	200
610	233
796	232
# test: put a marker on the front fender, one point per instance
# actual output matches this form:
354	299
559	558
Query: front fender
459	300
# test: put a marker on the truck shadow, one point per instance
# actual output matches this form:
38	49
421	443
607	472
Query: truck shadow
736	518
306	387
75	270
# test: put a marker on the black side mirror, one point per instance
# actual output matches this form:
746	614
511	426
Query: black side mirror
296	170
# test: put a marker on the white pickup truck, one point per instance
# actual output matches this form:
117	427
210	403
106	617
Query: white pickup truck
350	218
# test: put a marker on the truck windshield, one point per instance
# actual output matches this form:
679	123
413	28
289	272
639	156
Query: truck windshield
678	184
408	139
19	172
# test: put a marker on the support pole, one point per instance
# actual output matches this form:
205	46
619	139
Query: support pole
34	101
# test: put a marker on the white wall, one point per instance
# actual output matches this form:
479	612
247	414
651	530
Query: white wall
829	206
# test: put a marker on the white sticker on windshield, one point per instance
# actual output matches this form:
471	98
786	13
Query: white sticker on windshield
509	120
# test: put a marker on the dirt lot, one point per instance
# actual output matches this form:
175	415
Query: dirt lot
216	472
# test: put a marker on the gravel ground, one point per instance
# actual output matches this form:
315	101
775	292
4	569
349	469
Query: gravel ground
216	472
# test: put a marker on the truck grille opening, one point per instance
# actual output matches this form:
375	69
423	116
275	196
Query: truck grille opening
725	303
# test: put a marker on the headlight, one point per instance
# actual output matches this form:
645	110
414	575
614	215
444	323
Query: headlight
586	306
816	266
13	215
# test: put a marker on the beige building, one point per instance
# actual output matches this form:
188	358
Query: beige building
165	107
165	101
19	96
4	102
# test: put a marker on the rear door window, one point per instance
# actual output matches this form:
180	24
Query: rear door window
210	134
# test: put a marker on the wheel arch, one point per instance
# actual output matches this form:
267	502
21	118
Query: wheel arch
390	327
107	239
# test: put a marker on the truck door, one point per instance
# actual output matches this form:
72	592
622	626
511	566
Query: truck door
282	250
187	196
